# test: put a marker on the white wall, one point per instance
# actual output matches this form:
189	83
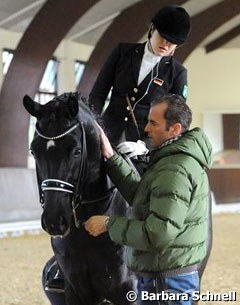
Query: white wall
213	82
9	40
215	134
213	89
67	53
19	198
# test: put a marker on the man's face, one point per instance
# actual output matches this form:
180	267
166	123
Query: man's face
161	46
156	127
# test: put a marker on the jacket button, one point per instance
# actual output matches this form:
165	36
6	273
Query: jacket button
133	99
135	90
125	119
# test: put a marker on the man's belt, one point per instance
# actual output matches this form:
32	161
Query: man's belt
168	273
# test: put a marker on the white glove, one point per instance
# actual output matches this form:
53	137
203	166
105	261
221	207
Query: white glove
132	149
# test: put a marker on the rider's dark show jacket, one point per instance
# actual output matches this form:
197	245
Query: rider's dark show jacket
120	75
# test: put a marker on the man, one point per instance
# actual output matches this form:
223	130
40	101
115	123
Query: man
136	73
166	237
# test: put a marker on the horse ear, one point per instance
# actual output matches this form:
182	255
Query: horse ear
32	107
73	106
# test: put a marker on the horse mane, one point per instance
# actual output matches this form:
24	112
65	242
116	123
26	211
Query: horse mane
83	104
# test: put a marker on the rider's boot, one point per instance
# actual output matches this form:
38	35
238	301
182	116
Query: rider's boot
55	279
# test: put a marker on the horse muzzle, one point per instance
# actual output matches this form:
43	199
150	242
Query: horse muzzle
57	226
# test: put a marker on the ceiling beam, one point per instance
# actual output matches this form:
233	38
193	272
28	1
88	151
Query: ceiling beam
21	12
222	40
94	26
207	22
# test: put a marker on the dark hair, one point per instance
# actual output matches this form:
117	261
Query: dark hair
177	110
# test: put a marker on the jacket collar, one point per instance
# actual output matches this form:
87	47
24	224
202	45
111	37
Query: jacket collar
193	143
137	59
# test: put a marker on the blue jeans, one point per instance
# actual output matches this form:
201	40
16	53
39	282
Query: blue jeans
173	290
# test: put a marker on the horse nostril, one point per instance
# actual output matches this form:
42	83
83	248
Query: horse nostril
44	224
57	226
63	224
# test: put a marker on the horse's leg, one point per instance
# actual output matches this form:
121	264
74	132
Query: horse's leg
119	296
56	298
114	284
83	296
69	296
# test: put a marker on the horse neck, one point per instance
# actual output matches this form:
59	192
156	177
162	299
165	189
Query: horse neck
97	182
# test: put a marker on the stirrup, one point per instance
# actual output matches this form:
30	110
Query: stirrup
56	283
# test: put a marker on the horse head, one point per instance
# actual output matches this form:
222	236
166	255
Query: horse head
69	165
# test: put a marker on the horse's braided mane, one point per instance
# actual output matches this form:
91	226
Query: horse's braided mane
83	103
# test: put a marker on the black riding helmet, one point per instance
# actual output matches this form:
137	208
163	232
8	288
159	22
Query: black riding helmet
173	23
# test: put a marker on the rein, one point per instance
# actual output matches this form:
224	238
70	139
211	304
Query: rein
63	186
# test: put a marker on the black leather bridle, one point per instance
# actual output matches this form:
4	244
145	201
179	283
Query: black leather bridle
63	186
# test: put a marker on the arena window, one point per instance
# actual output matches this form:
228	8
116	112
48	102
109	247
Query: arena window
78	71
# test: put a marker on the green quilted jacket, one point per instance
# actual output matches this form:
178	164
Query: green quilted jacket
168	226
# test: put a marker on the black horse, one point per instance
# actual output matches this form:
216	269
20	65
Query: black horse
73	186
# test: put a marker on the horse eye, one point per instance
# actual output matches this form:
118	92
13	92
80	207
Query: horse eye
77	152
32	153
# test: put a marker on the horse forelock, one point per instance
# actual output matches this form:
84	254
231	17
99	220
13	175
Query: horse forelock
58	108
57	119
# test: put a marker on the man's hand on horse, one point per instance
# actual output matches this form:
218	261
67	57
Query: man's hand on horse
96	225
106	147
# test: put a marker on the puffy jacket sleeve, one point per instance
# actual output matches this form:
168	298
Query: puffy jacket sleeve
169	203
104	81
123	176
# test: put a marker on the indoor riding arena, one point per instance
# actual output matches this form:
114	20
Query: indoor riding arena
56	48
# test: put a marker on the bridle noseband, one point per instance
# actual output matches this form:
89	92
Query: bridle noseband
57	185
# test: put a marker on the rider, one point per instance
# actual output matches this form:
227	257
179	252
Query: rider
136	73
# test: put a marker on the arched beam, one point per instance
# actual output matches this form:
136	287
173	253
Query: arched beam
36	47
129	26
207	22
222	40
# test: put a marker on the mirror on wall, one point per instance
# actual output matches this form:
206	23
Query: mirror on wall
223	130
